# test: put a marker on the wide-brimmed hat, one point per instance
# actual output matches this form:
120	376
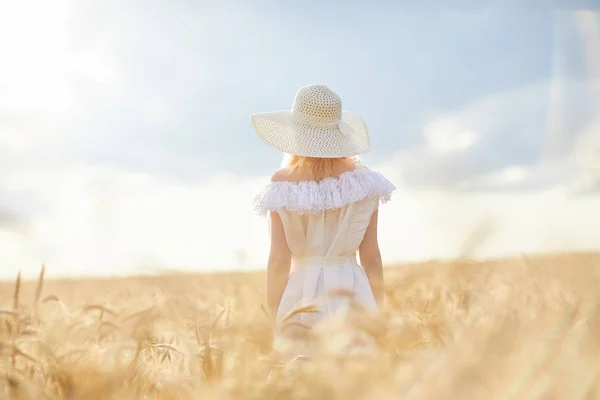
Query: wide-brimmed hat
316	126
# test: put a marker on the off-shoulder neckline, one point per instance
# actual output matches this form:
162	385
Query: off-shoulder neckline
329	193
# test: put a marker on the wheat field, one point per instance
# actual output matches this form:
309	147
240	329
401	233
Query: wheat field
519	328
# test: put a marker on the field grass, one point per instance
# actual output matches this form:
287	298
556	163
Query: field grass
523	328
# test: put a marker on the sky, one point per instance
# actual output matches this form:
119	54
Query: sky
126	146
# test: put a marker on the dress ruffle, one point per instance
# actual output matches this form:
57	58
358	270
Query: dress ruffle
329	194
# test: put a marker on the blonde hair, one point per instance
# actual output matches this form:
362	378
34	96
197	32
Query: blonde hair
318	168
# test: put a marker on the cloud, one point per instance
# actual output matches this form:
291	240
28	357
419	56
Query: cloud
98	220
509	141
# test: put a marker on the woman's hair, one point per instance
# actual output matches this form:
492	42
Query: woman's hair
319	168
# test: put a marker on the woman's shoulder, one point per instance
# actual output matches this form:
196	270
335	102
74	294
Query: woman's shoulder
294	192
282	175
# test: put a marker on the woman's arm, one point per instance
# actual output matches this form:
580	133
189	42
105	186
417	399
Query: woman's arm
278	267
370	259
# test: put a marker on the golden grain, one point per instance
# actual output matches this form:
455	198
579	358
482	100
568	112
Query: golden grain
523	328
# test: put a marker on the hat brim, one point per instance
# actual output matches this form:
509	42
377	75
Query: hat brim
280	131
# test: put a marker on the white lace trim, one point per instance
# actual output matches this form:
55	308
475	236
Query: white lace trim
330	193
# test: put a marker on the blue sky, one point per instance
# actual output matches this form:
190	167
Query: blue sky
123	122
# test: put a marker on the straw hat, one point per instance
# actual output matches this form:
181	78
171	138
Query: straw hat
316	126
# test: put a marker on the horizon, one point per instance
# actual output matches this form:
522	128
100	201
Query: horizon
48	277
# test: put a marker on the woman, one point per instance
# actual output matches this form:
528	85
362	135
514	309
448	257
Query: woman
323	208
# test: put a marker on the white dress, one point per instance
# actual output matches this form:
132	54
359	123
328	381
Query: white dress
324	224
